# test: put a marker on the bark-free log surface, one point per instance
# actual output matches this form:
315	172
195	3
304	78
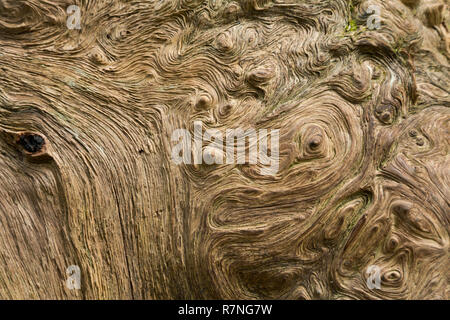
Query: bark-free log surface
86	176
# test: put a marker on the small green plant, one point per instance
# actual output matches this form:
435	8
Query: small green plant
351	26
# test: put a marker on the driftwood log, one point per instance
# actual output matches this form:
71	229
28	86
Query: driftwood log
89	99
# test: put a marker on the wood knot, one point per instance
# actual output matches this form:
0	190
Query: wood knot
32	143
392	277
401	207
385	114
224	42
233	10
204	102
261	75
392	243
315	142
225	110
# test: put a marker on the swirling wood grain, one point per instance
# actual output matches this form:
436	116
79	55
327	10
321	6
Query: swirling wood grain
86	117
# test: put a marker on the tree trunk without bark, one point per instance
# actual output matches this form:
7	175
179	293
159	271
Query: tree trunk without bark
89	102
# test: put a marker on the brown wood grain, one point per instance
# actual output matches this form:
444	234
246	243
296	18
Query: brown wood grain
87	179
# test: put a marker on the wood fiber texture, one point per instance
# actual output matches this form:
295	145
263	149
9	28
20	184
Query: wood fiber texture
86	118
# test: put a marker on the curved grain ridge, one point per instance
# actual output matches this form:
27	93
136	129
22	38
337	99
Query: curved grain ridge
86	120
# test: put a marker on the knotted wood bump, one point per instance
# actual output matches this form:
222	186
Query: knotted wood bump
33	144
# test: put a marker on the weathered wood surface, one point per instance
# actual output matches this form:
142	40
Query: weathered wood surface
364	149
